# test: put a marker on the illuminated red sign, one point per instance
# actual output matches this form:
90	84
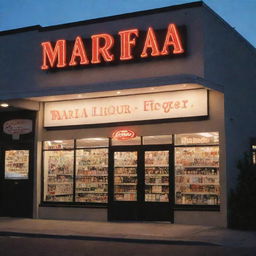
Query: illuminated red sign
123	134
103	50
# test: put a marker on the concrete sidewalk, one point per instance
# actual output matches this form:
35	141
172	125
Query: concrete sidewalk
141	231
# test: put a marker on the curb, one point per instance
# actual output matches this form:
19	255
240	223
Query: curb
108	239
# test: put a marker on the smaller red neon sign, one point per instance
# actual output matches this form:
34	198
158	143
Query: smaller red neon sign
123	134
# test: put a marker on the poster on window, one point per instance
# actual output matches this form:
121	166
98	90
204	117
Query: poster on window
16	164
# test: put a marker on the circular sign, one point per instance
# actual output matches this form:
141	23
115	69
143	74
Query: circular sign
123	134
18	126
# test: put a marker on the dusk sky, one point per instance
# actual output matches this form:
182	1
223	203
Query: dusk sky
240	14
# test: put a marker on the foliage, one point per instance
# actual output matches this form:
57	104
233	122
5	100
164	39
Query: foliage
242	201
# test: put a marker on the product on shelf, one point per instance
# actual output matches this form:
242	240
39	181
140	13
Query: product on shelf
92	175
125	176
197	175
58	170
157	176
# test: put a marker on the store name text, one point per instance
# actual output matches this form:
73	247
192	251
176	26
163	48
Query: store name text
127	108
103	50
110	110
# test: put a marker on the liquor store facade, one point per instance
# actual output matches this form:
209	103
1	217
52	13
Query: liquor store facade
123	118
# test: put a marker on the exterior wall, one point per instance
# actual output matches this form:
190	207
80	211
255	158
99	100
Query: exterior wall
22	56
214	123
200	218
230	61
68	213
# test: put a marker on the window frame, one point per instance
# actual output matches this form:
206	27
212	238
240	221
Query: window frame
194	207
73	203
177	207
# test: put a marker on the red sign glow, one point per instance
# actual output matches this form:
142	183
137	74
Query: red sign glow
103	48
123	134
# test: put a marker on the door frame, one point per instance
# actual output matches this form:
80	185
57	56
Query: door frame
11	182
140	203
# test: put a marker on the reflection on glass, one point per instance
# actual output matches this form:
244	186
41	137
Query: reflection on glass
92	142
157	140
58	175
16	164
203	138
125	176
59	144
92	175
157	176
197	175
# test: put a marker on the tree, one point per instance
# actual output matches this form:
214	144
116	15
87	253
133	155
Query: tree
242	201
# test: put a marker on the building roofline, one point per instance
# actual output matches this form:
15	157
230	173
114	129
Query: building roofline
102	19
127	15
228	26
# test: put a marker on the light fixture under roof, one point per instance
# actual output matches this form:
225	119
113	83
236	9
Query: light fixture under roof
4	105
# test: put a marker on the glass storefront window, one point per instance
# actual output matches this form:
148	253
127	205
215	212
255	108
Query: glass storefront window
92	175
77	171
125	176
91	165
197	175
157	176
157	140
58	175
16	164
203	138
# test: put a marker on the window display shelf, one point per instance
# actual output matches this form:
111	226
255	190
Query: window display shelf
156	165
126	184
156	184
61	194
91	183
88	176
200	193
157	175
60	173
92	192
126	175
61	183
92	165
197	166
197	175
92	175
125	166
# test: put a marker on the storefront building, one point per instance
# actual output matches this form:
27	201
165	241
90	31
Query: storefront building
141	116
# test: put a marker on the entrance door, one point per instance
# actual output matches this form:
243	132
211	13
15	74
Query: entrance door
16	182
140	183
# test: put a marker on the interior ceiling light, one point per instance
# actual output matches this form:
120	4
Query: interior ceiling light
58	141
205	134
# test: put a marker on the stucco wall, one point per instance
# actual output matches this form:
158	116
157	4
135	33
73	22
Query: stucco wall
230	61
